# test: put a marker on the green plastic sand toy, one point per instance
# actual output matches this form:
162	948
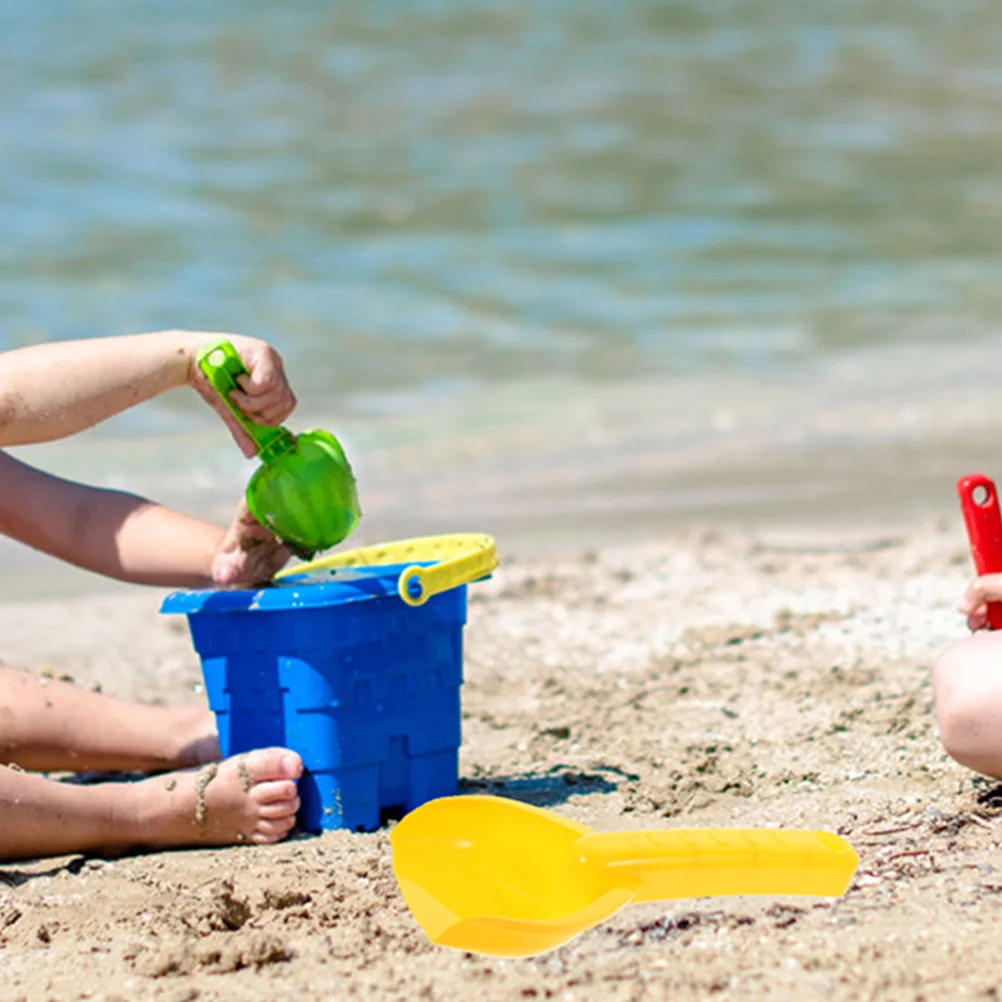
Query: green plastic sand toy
304	490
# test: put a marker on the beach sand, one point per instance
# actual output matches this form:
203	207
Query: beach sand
702	678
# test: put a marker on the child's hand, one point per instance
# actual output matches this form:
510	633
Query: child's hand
974	604
249	553
264	395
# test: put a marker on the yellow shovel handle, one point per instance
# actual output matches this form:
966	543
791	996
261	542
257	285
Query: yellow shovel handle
712	862
460	559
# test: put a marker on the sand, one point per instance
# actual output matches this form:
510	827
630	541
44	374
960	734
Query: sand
694	680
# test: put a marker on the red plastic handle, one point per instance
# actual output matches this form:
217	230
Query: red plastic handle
979	501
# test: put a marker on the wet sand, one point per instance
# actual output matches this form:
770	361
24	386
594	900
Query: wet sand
707	678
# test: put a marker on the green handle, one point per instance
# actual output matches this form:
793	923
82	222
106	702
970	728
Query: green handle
222	365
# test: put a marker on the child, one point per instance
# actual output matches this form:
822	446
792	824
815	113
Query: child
54	390
967	686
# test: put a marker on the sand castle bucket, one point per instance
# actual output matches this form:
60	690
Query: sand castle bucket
355	661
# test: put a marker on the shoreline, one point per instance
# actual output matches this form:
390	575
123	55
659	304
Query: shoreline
557	468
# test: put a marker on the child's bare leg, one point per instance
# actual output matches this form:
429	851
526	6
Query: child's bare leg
248	798
967	692
50	725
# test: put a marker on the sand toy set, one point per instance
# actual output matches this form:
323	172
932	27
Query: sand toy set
356	661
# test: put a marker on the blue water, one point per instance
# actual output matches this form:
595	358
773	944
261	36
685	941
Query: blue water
565	263
417	199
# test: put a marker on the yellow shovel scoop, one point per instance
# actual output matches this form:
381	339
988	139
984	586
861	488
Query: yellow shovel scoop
499	877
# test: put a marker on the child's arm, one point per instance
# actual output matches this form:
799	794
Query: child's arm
129	538
50	391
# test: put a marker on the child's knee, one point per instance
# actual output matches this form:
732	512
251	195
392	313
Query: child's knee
967	701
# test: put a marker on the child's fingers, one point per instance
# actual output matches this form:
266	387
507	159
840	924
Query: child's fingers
265	379
977	620
272	407
264	368
250	554
981	591
263	394
249	567
242	515
260	565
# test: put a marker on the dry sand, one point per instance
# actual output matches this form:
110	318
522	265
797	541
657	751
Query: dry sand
696	680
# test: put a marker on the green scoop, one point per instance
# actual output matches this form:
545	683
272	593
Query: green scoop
304	490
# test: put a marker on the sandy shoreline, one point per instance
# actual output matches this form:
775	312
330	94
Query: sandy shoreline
710	679
868	443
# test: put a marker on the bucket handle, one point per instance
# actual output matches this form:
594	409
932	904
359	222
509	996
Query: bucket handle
459	559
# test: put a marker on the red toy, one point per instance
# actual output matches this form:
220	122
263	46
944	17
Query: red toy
980	503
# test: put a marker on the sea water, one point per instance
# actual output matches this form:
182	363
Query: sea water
559	265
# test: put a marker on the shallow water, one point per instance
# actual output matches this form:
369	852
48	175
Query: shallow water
420	197
455	218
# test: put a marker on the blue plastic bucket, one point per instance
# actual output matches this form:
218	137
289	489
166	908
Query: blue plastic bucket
337	667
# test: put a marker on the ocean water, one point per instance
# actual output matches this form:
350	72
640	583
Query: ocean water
649	242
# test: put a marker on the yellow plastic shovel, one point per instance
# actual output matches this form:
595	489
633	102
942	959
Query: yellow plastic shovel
496	876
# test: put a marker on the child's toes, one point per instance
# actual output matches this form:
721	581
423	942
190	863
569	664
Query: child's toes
268	764
259	838
273	792
272	831
279	809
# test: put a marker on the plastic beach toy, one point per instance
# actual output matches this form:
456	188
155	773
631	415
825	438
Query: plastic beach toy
304	490
500	877
355	662
979	501
433	564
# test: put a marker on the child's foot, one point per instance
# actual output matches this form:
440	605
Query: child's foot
247	798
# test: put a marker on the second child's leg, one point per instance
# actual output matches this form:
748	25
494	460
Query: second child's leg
47	725
967	692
